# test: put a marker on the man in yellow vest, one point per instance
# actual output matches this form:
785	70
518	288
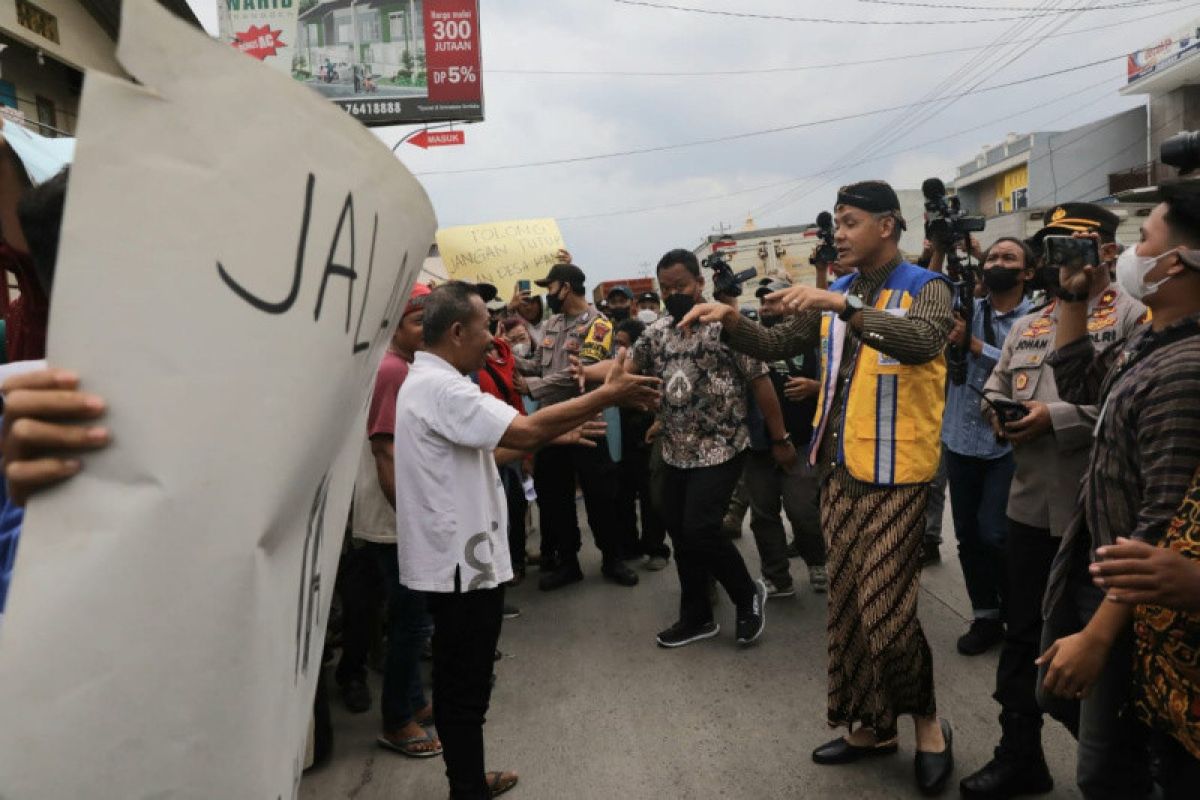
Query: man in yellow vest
882	331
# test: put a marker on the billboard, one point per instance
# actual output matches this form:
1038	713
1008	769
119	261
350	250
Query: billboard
384	62
1171	50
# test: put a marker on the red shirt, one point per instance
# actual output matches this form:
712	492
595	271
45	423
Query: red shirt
381	417
497	377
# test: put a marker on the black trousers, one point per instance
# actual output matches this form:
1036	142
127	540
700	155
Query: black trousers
511	475
1029	553
466	628
555	471
634	494
361	585
694	504
1177	771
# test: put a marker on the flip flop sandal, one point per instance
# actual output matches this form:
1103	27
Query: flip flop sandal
408	747
498	784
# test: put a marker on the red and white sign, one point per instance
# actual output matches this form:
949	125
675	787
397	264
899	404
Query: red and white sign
452	51
428	139
1182	45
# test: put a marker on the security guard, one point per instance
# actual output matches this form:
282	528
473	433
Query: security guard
575	329
1051	452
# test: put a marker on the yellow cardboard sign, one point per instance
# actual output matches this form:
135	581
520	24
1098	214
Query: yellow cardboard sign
500	253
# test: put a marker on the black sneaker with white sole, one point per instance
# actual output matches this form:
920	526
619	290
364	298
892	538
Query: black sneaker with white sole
751	621
680	634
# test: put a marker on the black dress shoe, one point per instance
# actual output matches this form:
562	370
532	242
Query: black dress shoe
619	573
565	575
933	769
1008	775
839	751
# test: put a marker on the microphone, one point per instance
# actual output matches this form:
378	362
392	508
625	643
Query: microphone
933	188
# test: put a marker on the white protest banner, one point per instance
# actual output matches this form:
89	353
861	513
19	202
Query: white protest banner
234	256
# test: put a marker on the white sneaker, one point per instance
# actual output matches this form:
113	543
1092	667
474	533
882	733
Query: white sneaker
775	591
819	579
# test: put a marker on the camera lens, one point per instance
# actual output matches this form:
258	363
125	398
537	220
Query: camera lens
1181	151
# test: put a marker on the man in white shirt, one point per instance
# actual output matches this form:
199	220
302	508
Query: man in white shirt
453	539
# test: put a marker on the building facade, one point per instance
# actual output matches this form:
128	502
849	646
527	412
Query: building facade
45	48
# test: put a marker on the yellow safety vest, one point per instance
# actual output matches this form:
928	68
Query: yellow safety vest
892	421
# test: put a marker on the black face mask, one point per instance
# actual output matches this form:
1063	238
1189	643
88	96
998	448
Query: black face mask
678	305
1001	279
618	314
770	320
554	303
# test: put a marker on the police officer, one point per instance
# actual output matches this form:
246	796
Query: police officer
1050	447
574	329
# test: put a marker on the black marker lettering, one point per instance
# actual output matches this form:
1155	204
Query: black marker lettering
286	303
358	345
339	269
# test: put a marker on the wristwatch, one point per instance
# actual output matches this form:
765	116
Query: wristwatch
787	439
854	304
1072	297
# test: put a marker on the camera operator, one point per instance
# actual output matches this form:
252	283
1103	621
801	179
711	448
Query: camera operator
1143	459
1050	448
882	332
979	467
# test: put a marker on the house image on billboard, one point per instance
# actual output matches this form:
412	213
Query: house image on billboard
362	47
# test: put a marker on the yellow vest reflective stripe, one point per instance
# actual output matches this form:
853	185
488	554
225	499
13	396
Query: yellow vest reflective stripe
891	428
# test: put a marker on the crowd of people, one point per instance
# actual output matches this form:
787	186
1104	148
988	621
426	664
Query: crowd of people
1069	445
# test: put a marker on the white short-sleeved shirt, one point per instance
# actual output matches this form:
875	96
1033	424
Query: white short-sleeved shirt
451	513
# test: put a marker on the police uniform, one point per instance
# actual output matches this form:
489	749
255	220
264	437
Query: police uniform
587	336
1041	501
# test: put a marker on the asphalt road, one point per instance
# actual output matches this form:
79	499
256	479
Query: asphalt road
586	706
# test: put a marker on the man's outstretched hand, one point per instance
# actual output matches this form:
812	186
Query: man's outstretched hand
42	436
704	313
631	390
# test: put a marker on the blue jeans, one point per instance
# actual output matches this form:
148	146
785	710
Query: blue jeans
979	503
1113	758
409	626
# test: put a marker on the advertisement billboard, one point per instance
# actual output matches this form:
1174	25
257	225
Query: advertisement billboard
1171	50
384	62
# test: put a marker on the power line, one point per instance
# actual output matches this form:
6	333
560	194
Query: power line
776	184
812	67
957	7
764	132
831	21
976	69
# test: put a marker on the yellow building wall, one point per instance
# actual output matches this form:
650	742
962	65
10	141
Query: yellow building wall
1003	186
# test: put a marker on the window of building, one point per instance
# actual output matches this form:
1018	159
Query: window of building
36	19
47	118
1000	209
8	94
369	27
1020	199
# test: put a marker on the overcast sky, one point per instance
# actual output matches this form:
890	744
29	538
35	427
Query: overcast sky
544	117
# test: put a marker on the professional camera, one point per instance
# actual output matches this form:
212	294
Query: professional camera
1181	151
725	280
947	227
826	251
947	224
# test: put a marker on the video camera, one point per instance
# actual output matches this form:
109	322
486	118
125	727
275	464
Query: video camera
725	280
826	251
1181	151
946	224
